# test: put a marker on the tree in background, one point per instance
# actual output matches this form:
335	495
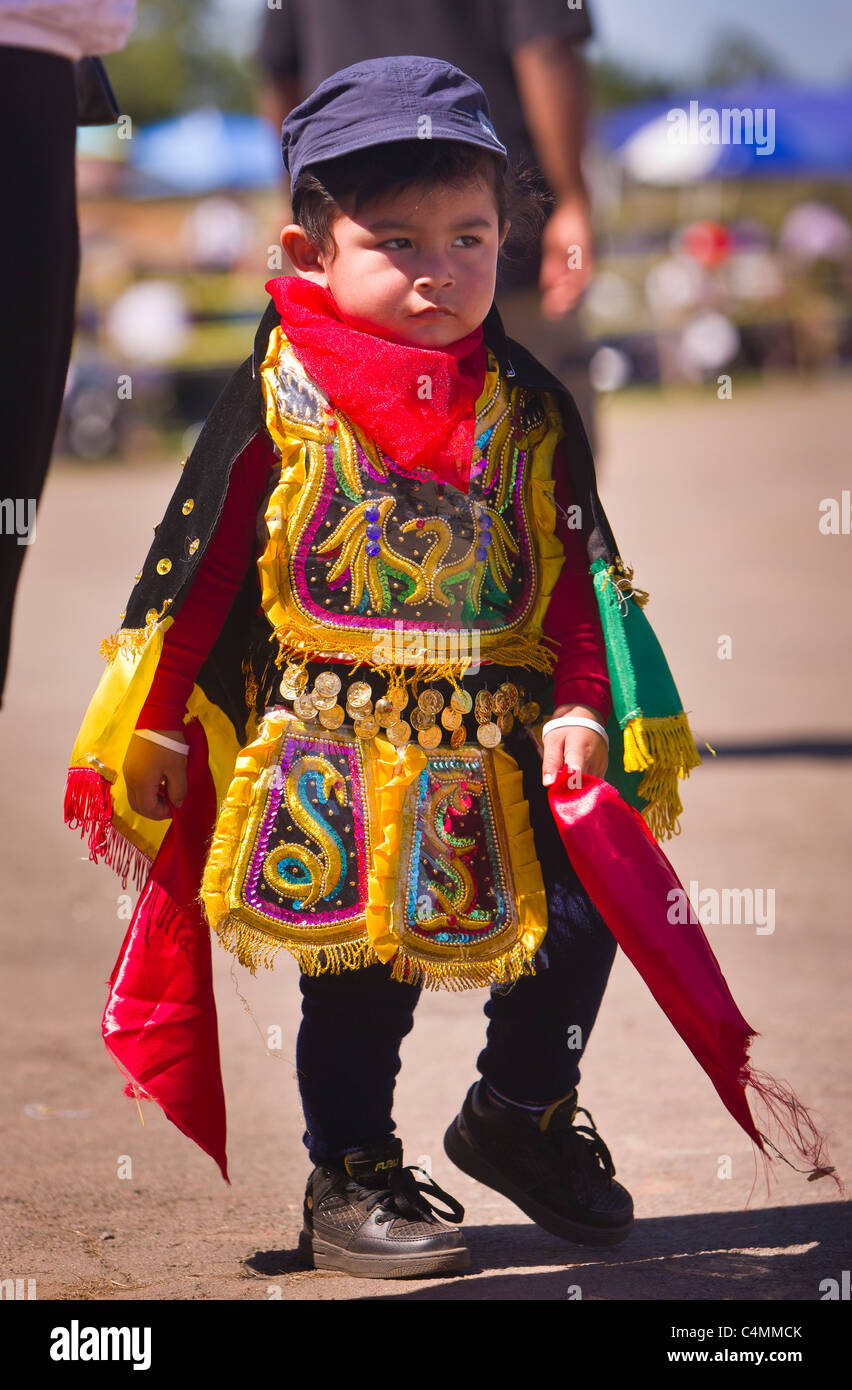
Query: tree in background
736	56
178	57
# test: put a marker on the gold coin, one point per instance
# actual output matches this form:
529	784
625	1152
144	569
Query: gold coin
505	698
489	735
397	697
323	701
450	718
421	719
529	712
484	700
358	694
458	736
505	722
462	701
304	706
326	683
431	700
359	711
399	733
366	728
384	711
293	681
331	718
429	738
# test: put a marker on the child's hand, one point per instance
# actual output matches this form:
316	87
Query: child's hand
147	767
576	747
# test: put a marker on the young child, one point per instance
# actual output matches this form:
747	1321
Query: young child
387	554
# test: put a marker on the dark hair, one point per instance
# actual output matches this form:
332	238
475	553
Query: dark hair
369	174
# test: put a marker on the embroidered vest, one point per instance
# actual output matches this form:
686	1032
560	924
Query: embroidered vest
368	562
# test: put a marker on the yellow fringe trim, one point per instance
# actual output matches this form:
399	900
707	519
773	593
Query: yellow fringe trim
298	644
458	975
130	640
253	947
664	749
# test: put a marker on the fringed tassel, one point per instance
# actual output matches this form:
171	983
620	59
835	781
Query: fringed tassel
130	639
778	1110
126	859
253	947
88	805
461	975
620	576
513	649
665	751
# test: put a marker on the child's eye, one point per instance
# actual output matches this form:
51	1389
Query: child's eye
467	236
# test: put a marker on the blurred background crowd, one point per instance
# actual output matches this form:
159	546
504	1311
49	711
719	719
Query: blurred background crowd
708	259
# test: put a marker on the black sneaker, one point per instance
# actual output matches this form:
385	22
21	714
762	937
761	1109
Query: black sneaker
371	1217
559	1174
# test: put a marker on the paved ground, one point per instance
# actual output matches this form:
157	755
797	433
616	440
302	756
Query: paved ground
716	504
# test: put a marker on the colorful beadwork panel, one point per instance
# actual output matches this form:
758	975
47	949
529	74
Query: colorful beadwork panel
372	547
455	885
304	859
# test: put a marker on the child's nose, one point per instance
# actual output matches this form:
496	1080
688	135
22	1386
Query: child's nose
434	272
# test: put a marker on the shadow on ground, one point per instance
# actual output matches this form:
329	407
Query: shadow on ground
780	1252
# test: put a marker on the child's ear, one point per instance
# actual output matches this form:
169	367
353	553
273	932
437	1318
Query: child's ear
306	258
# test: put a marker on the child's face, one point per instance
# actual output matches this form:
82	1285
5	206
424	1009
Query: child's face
407	252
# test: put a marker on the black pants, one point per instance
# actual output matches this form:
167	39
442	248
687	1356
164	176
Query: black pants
39	254
353	1023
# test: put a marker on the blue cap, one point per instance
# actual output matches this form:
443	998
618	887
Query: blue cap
384	99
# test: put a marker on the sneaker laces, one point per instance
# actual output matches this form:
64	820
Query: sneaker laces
585	1149
405	1196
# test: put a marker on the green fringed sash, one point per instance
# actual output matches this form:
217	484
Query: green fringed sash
651	743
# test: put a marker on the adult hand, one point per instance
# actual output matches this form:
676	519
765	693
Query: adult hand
567	248
155	776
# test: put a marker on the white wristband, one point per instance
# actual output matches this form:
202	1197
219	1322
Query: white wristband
161	738
565	720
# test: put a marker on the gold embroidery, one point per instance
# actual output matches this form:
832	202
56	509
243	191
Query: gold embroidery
325	868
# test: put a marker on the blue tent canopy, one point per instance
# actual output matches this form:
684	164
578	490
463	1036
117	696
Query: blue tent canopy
811	133
207	149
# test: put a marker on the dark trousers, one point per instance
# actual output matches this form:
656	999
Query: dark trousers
353	1023
39	253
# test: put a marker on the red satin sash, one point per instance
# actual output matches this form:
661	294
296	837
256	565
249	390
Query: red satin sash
631	883
160	1019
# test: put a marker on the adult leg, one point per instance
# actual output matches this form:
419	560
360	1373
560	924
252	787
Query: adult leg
39	250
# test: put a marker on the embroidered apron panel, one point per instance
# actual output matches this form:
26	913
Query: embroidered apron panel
347	852
455	890
303	861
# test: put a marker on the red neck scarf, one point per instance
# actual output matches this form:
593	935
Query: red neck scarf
376	382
